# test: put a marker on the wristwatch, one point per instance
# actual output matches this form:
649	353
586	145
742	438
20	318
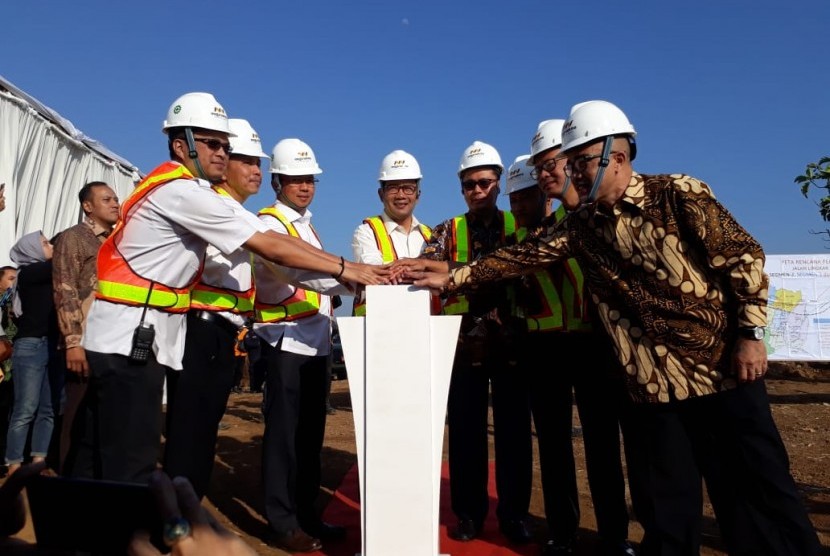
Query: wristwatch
752	332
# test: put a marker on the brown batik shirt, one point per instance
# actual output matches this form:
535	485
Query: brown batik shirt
671	272
75	277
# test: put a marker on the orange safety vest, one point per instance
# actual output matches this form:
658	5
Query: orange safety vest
388	254
458	304
302	303
117	281
205	297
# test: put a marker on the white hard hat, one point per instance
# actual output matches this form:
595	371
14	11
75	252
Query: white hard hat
196	110
479	154
399	165
518	175
593	120
548	136
244	139
293	157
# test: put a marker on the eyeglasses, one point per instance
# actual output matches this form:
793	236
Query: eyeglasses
483	183
548	166
580	163
395	188
299	180
214	144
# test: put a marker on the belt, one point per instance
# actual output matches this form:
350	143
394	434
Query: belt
216	319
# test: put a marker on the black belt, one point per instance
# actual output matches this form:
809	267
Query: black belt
216	319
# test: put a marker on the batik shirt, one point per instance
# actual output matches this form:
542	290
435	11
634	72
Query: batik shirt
74	277
671	272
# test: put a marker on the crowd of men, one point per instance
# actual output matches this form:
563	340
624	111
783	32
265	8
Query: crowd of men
654	291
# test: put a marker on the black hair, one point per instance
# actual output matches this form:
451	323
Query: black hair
85	194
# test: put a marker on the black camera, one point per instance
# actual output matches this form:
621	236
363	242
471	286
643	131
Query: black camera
142	344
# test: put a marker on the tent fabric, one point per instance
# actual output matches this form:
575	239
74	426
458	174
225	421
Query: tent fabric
44	161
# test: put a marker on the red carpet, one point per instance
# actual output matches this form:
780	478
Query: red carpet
344	509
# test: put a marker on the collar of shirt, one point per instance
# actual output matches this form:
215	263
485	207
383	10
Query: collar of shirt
100	232
391	225
633	196
293	215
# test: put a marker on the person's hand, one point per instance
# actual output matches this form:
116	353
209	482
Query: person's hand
76	362
749	359
419	265
365	274
437	282
12	504
176	500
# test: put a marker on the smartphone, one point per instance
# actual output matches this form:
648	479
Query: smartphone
91	516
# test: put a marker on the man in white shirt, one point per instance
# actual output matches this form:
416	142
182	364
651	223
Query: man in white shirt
295	326
146	268
396	232
220	305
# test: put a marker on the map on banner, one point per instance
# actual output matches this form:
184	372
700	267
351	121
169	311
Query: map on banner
799	307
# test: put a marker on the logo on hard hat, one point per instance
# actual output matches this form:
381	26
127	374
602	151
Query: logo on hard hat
177	108
219	110
475	151
399	164
516	172
568	127
536	138
302	155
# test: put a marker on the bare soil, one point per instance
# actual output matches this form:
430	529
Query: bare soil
799	392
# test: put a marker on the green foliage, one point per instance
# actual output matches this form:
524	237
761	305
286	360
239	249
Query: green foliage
817	174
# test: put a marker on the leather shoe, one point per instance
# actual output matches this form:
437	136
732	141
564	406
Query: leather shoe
465	530
555	548
325	531
516	531
618	548
296	540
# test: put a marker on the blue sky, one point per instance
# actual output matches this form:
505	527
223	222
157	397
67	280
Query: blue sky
732	92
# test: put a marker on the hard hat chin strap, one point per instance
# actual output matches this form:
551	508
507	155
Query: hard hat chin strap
194	156
603	164
566	187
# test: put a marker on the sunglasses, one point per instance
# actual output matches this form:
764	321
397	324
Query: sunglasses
483	183
214	144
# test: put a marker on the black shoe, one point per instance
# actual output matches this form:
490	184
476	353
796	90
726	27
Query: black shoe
465	530
555	548
296	540
325	531
617	548
516	531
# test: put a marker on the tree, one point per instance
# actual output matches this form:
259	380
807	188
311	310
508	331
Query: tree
817	174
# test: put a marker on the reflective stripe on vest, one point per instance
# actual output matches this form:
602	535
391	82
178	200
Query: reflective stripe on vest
567	312
302	303
458	304
387	253
117	282
205	297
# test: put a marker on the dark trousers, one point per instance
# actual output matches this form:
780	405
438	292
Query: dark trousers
75	390
123	403
197	397
294	406
729	439
582	364
469	396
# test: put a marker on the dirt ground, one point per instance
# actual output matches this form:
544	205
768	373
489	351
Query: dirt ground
799	392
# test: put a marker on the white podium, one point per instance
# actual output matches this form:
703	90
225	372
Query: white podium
399	360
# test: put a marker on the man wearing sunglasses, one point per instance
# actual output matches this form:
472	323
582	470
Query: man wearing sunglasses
481	364
395	232
680	288
294	324
147	268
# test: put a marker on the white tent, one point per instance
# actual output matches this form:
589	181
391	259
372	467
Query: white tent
44	161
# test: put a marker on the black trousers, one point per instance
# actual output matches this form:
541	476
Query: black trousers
122	440
197	397
469	397
729	439
583	364
294	406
